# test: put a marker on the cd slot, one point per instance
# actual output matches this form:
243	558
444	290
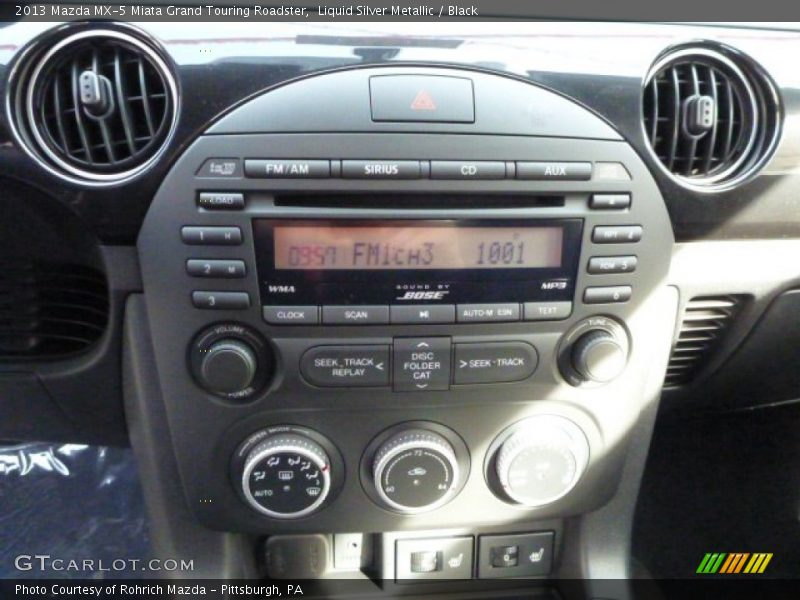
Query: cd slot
419	201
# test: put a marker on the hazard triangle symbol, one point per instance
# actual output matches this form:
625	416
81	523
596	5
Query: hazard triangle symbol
423	101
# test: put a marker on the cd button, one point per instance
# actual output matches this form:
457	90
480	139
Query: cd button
355	315
454	169
290	315
485	313
547	311
346	366
424	313
421	364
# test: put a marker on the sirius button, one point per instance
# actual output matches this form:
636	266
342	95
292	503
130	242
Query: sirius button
381	169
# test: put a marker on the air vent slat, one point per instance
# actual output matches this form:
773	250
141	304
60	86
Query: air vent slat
50	310
99	104
710	120
704	323
122	102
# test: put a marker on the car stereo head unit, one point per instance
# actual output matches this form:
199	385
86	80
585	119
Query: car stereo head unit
360	262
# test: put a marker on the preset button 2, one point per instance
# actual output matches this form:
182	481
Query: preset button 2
421	364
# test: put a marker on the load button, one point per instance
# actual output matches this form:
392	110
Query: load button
421	364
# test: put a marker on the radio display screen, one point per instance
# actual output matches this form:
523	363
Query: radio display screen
307	262
380	247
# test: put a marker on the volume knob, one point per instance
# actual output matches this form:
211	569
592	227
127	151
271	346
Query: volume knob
228	366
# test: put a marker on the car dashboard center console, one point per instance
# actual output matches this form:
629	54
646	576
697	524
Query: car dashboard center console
403	300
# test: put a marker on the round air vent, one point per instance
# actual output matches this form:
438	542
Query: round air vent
97	106
711	120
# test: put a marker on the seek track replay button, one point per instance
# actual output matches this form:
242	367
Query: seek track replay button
346	366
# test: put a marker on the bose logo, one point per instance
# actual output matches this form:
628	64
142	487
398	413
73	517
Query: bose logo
423	295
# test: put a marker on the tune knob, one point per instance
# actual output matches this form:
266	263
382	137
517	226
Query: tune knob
541	460
415	470
228	366
593	352
598	356
286	476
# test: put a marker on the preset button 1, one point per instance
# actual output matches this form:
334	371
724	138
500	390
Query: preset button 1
346	366
421	364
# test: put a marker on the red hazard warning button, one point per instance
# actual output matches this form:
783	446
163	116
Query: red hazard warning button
423	101
432	98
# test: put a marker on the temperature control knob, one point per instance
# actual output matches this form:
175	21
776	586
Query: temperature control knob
541	459
286	476
598	356
415	470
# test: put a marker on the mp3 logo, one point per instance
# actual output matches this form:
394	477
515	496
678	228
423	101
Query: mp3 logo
424	295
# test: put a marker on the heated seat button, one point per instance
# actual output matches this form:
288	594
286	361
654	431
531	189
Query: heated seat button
430	98
504	557
381	169
433	558
495	362
421	364
346	366
519	555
